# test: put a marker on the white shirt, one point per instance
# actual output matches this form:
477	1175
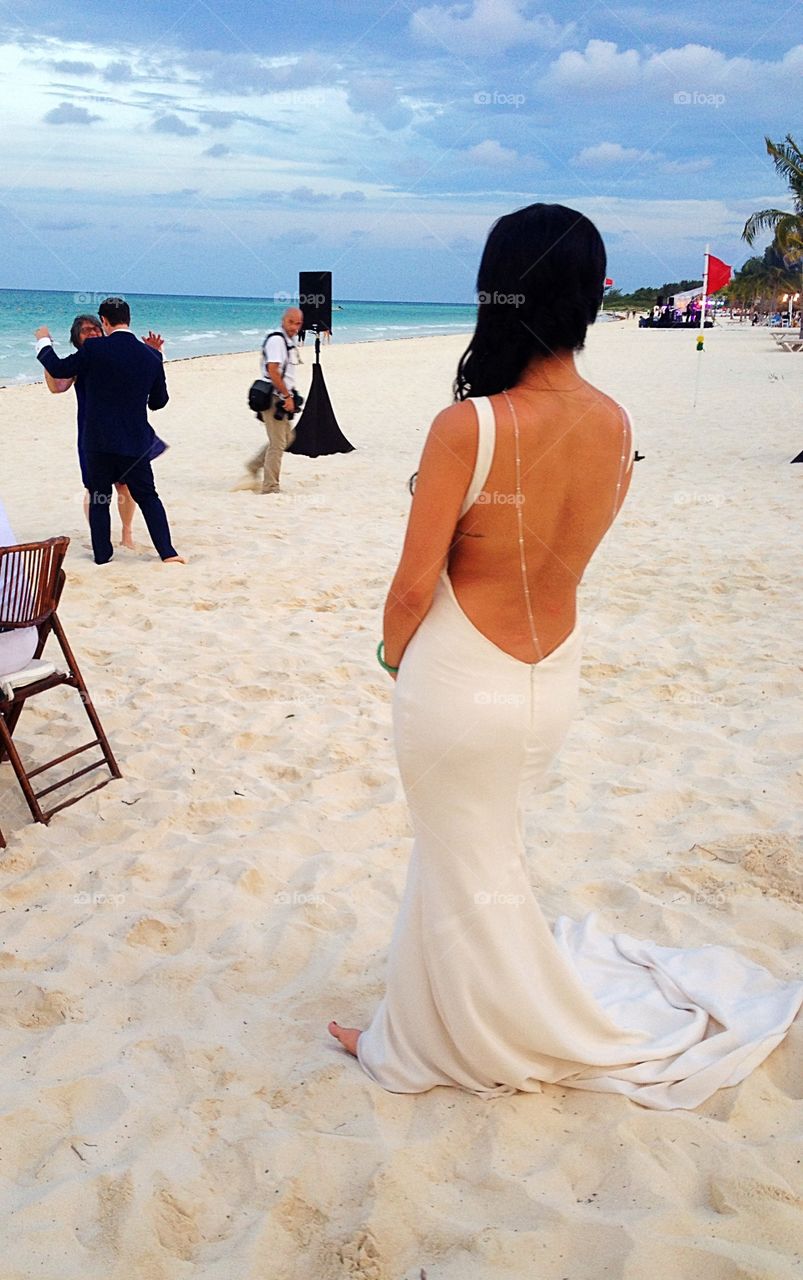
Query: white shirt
274	351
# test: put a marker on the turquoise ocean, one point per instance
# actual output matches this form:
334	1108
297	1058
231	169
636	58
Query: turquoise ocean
205	326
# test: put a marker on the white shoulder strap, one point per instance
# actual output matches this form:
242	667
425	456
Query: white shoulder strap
628	421
486	444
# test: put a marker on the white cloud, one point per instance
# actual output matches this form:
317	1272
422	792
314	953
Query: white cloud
492	154
606	155
600	66
305	195
698	165
378	97
217	150
218	119
171	123
118	72
69	67
603	68
66	113
489	26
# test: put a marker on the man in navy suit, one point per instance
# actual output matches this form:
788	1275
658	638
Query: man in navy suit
123	378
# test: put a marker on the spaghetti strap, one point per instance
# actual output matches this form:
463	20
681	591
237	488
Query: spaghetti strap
486	444
628	422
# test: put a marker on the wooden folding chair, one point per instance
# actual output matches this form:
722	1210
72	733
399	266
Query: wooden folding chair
31	583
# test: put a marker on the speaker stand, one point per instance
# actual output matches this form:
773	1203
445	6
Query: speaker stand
317	432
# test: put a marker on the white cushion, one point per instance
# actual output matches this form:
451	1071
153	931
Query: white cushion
37	669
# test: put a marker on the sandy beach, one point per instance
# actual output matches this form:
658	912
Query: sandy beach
174	946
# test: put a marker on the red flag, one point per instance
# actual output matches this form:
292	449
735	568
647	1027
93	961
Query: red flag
719	273
608	282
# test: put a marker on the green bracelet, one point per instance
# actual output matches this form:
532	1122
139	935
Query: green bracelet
379	651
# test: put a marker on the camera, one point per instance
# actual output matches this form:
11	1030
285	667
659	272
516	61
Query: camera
279	411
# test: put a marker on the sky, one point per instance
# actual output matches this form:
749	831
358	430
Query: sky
186	146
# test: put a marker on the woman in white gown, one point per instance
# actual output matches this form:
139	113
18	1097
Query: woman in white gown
516	489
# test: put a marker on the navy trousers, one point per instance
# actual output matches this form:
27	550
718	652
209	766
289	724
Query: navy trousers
104	470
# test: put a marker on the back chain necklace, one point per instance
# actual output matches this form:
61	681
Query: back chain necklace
520	522
520	513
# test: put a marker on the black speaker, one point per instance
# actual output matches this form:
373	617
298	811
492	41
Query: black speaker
315	299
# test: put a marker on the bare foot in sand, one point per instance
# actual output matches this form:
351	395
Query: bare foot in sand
127	540
174	560
348	1036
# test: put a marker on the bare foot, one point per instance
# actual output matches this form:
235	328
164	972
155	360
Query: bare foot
127	540
348	1036
174	560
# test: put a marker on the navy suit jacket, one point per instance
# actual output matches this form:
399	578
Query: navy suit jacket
123	378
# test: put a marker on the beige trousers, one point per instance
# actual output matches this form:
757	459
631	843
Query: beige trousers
268	459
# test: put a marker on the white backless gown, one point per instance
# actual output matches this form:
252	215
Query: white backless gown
481	994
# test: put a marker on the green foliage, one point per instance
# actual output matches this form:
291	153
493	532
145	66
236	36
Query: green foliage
786	227
646	297
763	280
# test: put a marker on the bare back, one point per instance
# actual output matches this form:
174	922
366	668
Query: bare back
572	445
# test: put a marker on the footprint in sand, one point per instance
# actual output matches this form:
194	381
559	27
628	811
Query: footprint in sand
360	1257
774	863
175	1225
171	938
732	1194
23	1004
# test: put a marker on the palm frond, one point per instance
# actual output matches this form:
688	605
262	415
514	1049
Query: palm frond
787	158
764	220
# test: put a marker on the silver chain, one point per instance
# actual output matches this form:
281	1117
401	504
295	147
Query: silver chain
520	521
520	514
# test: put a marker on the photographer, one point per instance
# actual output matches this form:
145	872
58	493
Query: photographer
279	361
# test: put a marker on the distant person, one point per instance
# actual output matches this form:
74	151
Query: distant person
84	327
279	362
123	378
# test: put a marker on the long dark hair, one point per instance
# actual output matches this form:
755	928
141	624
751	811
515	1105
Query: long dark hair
539	287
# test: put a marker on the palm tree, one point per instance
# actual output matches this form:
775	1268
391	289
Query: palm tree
761	281
787	227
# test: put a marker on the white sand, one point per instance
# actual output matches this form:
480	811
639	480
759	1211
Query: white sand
174	946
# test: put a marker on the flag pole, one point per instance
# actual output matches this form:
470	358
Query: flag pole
702	324
705	286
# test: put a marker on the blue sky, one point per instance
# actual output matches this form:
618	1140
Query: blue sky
192	147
